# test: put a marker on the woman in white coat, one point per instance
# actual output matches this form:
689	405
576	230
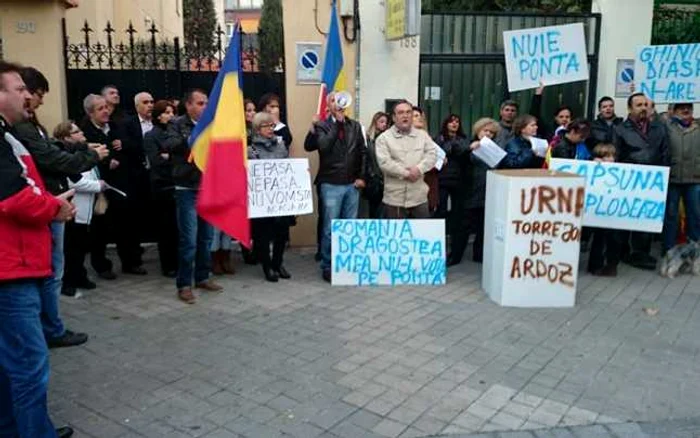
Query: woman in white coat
77	238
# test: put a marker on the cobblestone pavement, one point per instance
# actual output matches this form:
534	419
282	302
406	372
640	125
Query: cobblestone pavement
302	359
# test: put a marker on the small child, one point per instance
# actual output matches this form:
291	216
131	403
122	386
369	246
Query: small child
605	248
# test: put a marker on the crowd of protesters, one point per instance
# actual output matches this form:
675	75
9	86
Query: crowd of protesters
71	192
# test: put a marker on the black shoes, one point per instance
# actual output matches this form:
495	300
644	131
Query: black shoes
326	276
170	274
64	432
452	261
107	275
283	273
68	339
270	275
642	261
135	270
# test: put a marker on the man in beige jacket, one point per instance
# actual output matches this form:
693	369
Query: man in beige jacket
404	154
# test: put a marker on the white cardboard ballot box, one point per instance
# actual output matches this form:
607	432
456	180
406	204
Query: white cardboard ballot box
532	237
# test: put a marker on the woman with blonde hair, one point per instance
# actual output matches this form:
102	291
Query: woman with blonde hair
475	197
87	186
269	231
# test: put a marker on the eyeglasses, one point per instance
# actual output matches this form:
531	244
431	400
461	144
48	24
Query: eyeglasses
267	125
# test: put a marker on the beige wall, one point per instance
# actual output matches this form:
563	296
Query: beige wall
303	99
31	34
166	14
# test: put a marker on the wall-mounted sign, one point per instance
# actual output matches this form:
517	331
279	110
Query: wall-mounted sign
402	18
624	78
309	63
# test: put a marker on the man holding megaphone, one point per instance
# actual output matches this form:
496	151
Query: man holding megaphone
341	148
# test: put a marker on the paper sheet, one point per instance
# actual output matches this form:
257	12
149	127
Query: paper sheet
440	157
489	152
539	146
108	187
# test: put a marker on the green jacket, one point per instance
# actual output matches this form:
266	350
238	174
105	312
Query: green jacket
684	147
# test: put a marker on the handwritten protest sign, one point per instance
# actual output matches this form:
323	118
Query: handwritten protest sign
279	188
670	73
552	55
532	237
621	196
387	252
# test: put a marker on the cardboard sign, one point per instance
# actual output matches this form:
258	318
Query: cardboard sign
369	252
279	188
669	74
532	237
551	55
621	196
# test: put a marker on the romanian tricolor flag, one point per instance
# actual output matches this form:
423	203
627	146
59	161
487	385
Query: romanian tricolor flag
333	77
218	144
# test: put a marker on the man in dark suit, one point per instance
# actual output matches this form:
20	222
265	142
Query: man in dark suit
121	217
134	128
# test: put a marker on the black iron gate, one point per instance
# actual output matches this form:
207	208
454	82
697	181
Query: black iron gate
462	66
162	67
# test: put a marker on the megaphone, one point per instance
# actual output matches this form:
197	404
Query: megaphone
343	99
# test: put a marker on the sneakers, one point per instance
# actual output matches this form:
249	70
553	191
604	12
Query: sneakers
209	286
71	292
185	295
68	339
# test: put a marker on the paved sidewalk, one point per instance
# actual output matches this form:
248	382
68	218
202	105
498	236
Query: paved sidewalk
302	359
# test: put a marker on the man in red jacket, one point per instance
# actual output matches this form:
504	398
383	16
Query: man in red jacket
26	210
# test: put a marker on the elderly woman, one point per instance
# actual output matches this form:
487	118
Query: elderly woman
266	144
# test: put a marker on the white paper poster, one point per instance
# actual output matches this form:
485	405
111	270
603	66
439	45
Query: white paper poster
551	55
279	188
370	252
669	74
621	196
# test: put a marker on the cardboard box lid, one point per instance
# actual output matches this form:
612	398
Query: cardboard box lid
535	173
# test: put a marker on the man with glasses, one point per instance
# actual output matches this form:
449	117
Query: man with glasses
26	212
405	154
341	148
54	165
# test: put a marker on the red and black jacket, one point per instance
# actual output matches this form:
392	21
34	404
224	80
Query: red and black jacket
26	211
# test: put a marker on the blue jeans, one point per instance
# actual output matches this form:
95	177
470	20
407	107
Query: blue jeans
220	241
51	288
691	201
194	241
24	362
340	201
